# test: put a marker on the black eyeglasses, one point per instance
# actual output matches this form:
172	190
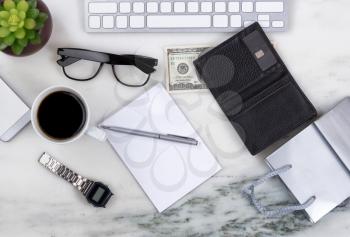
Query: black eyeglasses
84	65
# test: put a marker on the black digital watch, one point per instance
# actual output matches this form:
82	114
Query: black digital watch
98	194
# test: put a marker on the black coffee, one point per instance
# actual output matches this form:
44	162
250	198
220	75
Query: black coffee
61	115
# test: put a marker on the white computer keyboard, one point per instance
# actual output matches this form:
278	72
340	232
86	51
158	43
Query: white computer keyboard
183	16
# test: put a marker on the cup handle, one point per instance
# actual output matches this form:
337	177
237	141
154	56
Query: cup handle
97	133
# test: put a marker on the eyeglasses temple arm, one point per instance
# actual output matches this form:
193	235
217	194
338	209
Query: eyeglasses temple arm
145	64
66	61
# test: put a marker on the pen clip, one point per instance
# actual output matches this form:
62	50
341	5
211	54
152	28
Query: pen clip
189	139
177	136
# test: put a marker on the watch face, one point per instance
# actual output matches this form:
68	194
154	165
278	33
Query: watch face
99	194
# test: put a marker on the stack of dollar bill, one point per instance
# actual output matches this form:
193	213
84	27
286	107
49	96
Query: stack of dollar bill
181	73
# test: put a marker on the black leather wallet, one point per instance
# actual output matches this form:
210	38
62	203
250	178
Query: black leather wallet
254	88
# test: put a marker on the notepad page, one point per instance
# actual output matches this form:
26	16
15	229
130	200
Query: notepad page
165	170
12	108
316	171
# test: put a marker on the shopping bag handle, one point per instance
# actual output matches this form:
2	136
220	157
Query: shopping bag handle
249	192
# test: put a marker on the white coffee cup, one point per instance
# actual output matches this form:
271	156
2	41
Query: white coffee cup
35	120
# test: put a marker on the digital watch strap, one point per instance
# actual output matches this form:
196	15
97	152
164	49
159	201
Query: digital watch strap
96	193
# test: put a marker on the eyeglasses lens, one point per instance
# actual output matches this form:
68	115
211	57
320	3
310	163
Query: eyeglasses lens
130	75
82	69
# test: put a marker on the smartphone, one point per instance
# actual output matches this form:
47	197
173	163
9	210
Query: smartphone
15	114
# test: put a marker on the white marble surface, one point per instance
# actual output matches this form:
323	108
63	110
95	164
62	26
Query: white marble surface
35	203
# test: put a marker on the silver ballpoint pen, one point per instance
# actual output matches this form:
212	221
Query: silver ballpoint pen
166	137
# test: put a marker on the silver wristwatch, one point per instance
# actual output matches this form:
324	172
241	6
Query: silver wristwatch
96	193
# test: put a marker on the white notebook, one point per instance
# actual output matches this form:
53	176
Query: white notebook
14	113
320	159
165	170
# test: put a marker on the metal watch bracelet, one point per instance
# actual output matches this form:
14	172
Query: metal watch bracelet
81	183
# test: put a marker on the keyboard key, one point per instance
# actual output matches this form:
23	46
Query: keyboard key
277	24
152	7
179	21
94	22
206	7
122	21
264	24
179	7
138	7
165	7
263	18
124	7
233	6
269	6
108	22
103	7
137	21
236	21
247	7
192	6
220	21
220	7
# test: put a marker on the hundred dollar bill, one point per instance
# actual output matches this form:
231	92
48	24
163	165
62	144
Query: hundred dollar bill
181	73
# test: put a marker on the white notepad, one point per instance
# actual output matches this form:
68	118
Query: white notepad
320	158
165	170
14	113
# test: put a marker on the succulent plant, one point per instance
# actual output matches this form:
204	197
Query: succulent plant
20	24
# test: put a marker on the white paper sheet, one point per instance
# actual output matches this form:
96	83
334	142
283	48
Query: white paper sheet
165	170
